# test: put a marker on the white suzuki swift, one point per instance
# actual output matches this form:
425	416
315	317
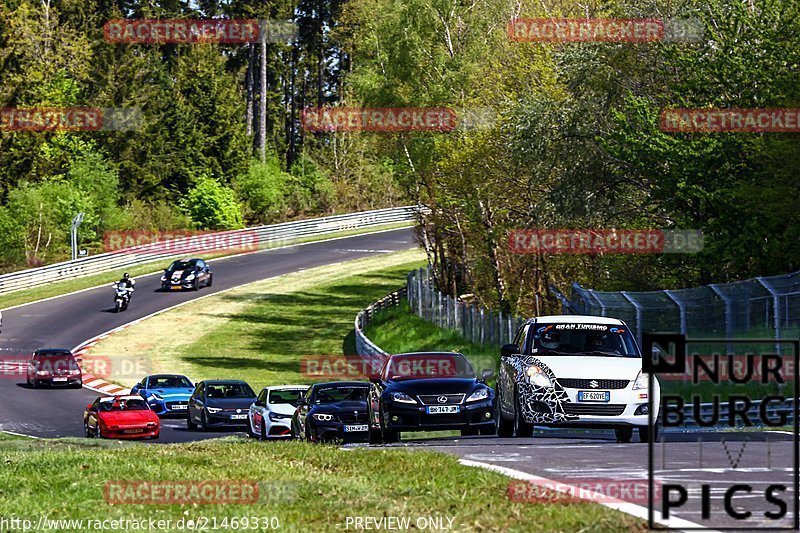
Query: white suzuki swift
578	371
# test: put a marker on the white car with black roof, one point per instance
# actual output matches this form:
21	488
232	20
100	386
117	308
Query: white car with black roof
574	371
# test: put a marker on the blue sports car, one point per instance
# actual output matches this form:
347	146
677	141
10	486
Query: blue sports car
167	394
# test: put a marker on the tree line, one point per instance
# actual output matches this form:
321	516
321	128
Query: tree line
568	136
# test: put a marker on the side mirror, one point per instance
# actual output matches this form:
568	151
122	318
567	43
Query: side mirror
89	407
487	373
507	350
375	378
258	404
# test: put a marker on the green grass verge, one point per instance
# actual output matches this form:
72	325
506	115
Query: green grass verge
306	487
64	287
258	332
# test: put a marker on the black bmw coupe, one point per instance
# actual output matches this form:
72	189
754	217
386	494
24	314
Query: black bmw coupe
333	412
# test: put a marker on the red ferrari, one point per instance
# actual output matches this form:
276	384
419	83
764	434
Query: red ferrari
121	417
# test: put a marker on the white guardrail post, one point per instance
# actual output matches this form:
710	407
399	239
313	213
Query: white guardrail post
137	255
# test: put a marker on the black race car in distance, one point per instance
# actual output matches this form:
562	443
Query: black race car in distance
333	412
219	404
187	274
429	392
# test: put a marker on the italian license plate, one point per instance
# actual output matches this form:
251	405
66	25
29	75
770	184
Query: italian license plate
59	380
238	417
356	428
129	431
442	409
178	407
594	396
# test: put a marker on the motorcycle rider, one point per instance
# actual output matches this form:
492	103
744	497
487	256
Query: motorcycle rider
127	283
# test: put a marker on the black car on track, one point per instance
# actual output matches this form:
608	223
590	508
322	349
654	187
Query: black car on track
429	392
219	404
187	274
333	412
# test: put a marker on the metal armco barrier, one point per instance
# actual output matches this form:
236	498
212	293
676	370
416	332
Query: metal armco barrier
137	255
367	349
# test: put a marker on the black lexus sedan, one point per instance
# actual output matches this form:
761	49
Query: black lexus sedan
187	274
219	404
429	392
333	412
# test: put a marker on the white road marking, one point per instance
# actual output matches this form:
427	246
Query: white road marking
626	507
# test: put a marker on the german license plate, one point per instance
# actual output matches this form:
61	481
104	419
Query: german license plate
238	417
356	428
178	407
176	287
129	431
594	396
442	409
59	380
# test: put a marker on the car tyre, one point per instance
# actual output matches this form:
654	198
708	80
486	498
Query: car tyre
505	428
86	431
623	434
390	436
191	426
203	422
648	433
196	286
375	436
263	433
487	431
469	432
522	428
210	280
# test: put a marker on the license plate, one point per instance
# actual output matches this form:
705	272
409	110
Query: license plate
178	407
176	287
59	379
133	431
594	396
356	428
238	417
442	409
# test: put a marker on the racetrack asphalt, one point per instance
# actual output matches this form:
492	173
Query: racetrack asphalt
571	457
67	321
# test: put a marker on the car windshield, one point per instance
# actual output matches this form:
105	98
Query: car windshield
170	382
340	394
131	404
230	390
584	339
181	265
55	362
287	397
430	366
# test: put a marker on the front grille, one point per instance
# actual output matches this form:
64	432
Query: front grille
609	409
577	383
352	418
433	399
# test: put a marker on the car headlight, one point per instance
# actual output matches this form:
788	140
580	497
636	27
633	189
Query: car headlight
159	398
402	397
277	416
480	394
642	381
75	372
163	278
537	376
190	277
42	372
322	417
213	410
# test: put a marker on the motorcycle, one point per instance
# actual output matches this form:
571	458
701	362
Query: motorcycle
122	297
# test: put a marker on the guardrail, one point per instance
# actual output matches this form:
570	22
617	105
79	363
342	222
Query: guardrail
367	349
136	255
